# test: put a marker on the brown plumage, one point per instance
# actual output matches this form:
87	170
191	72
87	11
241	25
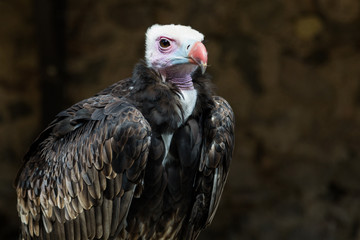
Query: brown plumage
102	169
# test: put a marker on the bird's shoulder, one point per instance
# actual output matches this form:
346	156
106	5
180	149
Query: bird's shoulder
92	120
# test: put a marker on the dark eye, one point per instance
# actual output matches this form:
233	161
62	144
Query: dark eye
164	43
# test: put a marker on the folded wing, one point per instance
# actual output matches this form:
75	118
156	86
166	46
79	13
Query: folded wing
216	154
81	174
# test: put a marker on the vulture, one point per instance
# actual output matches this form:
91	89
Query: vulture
145	158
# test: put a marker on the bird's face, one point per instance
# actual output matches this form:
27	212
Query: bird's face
170	46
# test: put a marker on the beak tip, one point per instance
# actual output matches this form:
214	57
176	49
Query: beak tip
198	54
203	67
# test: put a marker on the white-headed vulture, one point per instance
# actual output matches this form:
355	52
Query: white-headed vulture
146	158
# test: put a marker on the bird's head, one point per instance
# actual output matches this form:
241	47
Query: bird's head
175	47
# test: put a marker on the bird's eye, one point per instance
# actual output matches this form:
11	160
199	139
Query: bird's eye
164	43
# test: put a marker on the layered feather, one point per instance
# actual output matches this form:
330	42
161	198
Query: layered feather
97	171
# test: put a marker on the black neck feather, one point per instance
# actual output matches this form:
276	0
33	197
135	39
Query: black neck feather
158	100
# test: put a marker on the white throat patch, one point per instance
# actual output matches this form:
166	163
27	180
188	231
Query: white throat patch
188	101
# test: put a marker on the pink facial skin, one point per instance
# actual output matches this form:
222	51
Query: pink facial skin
176	62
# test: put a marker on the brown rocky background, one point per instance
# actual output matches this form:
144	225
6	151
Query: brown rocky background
289	68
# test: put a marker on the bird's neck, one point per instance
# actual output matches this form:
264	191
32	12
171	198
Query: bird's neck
179	75
182	82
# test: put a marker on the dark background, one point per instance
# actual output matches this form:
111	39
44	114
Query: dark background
289	68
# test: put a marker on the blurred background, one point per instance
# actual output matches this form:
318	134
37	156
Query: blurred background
290	69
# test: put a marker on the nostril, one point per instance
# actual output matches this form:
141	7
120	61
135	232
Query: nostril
188	46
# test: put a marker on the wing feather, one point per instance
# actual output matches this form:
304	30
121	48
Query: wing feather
98	221
69	230
77	231
222	122
90	223
214	164
115	215
107	213
83	226
79	176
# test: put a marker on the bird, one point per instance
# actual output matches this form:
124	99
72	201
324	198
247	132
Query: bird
146	158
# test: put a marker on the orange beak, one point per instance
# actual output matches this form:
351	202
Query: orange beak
198	55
